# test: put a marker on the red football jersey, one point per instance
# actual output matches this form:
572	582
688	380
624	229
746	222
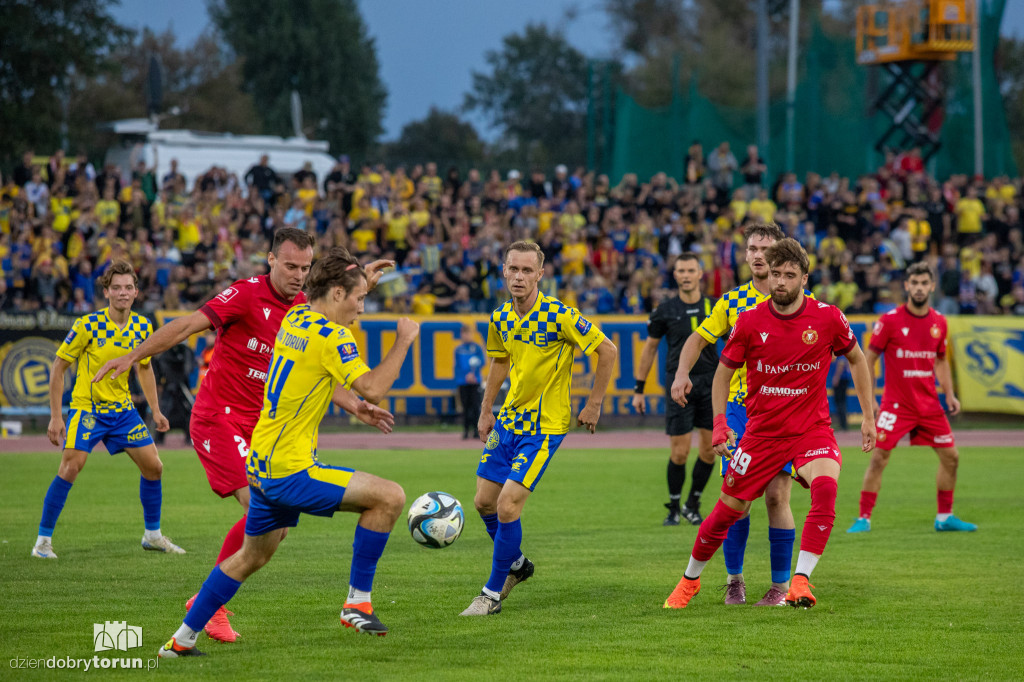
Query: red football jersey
247	316
787	358
910	345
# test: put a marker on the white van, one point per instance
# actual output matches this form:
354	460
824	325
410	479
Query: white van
196	151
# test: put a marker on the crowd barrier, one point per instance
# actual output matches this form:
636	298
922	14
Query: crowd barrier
987	354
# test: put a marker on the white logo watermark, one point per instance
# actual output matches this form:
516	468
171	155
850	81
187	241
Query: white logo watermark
106	636
117	635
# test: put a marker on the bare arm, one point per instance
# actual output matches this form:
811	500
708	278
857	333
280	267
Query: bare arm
495	378
167	336
862	381
647	356
56	430
871	358
375	384
591	412
945	377
147	380
681	385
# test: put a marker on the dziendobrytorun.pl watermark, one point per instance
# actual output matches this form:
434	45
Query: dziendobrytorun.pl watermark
84	664
107	636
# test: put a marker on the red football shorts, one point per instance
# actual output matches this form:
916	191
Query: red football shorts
931	430
222	445
758	460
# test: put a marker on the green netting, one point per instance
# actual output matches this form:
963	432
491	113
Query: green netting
835	131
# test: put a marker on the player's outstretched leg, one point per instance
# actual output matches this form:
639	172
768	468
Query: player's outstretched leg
709	538
218	589
380	502
945	481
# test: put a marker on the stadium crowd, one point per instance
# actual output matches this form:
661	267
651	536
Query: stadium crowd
609	248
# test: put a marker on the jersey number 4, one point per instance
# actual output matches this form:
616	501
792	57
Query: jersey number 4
278	375
886	420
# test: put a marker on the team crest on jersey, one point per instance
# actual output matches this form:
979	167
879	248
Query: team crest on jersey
492	440
348	352
730	481
89	422
227	294
881	436
905	330
582	325
934	331
810	337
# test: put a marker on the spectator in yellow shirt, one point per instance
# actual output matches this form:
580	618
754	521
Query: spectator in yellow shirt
108	209
574	256
969	214
920	232
763	208
739	204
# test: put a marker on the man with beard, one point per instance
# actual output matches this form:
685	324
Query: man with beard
912	338
677	318
787	344
781	529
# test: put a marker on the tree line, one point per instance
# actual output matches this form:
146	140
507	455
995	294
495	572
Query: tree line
73	64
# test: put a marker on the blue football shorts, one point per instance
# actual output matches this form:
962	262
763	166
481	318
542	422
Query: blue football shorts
514	457
736	418
277	502
117	430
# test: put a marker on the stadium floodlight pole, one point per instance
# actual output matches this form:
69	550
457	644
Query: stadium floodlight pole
763	137
794	24
979	128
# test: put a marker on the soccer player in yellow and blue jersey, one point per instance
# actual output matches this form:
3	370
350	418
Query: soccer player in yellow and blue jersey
533	337
314	352
781	527
104	411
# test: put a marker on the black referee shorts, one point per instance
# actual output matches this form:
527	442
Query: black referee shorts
680	420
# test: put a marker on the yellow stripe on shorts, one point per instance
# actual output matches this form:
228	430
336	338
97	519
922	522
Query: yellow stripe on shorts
538	464
333	476
72	431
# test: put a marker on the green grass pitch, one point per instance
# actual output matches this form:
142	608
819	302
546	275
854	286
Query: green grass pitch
901	602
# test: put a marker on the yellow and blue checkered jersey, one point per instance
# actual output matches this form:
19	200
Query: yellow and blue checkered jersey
541	345
93	340
723	318
311	356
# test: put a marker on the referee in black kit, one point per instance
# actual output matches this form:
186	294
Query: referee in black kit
676	318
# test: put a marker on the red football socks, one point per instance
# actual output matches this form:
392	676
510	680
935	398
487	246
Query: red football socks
233	541
945	501
867	503
712	532
821	517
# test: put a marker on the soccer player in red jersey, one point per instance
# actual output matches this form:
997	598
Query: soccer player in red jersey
912	338
247	316
787	344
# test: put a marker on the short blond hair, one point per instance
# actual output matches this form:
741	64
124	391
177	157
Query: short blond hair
526	247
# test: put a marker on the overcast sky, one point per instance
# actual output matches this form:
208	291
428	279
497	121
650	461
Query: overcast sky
428	48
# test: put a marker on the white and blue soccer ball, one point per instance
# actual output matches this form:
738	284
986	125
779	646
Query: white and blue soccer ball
436	520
